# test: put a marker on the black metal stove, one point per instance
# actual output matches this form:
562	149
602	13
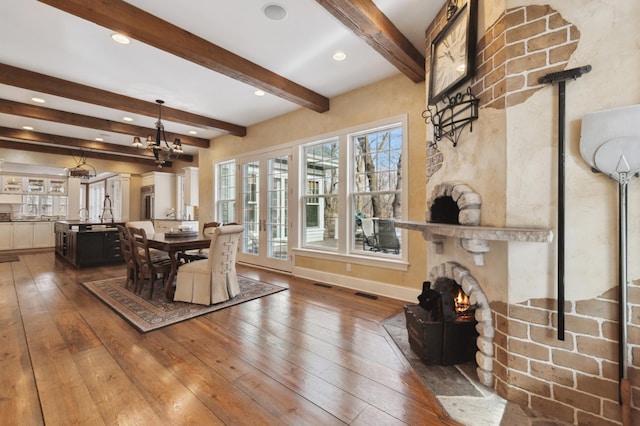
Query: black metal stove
442	329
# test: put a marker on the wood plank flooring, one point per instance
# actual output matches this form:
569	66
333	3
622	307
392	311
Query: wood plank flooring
307	356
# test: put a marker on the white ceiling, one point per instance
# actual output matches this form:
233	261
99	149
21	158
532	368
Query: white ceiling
40	38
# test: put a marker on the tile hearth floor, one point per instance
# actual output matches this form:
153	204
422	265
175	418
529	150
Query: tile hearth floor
460	393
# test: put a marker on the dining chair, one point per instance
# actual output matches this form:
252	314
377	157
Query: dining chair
193	255
149	269
212	280
147	225
127	254
149	230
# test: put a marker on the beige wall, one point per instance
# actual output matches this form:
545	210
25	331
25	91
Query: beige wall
389	98
610	43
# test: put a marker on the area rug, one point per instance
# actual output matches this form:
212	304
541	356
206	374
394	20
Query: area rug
146	315
4	259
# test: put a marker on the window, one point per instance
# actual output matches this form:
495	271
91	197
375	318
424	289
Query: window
96	199
376	188
321	196
226	197
370	160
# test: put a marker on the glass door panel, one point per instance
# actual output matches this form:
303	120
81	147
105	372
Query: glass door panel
264	180
251	207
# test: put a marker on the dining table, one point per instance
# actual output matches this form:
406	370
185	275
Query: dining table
172	244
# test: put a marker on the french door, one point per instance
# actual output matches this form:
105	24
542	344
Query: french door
263	183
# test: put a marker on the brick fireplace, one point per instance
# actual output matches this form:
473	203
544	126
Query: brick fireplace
502	248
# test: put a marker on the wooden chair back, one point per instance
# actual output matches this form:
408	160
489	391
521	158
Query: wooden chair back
127	254
148	270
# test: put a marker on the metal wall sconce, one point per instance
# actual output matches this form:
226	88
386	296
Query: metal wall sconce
455	113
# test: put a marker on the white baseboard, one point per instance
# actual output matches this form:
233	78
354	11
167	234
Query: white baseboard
365	286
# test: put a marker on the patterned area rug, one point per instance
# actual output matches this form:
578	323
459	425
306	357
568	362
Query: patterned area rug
146	315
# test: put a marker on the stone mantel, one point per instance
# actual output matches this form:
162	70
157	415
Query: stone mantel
474	239
431	231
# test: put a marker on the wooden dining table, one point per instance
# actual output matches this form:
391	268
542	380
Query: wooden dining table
174	244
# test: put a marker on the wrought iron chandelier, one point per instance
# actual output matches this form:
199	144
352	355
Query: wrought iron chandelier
162	150
82	170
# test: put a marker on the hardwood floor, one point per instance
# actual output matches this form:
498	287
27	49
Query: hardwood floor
307	356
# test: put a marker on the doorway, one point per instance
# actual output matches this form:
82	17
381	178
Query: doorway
264	210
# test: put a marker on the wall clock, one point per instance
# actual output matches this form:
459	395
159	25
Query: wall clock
453	53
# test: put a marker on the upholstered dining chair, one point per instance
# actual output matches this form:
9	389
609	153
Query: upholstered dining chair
129	259
149	269
193	255
212	280
147	225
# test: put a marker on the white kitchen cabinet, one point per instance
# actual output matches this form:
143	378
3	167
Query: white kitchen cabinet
43	235
12	184
23	235
57	186
28	235
6	236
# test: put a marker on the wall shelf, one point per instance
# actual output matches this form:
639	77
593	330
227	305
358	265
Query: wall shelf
433	231
474	239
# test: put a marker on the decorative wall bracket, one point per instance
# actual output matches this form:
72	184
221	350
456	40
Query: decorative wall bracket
448	121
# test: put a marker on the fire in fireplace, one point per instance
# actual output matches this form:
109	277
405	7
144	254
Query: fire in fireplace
442	326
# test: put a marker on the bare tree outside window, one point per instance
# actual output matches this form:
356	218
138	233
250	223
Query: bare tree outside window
377	183
374	169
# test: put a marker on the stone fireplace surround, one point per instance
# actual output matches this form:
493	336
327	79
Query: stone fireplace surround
462	277
474	240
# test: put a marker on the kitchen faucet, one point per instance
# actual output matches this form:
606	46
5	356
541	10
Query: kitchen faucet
81	211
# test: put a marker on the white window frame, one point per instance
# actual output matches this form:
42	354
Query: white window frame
218	190
346	247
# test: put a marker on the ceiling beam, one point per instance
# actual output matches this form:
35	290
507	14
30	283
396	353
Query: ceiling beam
49	114
365	19
30	80
47	149
121	151
149	29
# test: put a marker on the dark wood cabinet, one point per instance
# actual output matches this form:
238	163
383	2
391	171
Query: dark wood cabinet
85	244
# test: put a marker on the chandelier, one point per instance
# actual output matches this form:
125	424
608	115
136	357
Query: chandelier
162	150
82	170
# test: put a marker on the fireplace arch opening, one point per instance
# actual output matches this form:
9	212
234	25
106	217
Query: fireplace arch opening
486	332
445	210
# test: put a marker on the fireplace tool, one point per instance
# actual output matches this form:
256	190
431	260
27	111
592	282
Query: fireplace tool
561	77
610	143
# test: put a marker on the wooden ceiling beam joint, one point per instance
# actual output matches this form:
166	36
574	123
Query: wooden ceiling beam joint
367	21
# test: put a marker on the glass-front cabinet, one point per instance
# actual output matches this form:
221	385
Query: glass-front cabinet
12	184
57	186
36	185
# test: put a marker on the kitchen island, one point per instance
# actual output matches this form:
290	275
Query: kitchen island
83	243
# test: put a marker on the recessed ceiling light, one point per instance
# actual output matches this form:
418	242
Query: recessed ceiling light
274	11
127	118
193	132
339	56
38	100
259	92
120	38
27	127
